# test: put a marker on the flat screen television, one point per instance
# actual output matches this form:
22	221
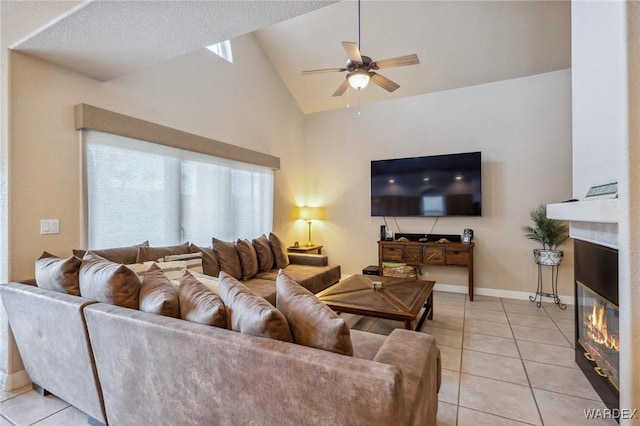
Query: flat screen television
437	185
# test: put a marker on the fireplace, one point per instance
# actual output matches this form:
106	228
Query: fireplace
597	337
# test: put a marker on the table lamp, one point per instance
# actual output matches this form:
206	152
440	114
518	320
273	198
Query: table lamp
309	214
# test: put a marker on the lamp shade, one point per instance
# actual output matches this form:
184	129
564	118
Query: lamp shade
309	213
359	79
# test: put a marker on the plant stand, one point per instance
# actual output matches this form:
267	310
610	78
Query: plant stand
543	259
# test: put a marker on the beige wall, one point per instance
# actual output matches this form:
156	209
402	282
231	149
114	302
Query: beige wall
199	93
17	21
522	127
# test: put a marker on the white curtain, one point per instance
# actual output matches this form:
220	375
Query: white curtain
139	191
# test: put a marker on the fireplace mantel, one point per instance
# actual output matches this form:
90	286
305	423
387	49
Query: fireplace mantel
595	221
598	211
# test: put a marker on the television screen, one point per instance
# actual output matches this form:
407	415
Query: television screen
438	185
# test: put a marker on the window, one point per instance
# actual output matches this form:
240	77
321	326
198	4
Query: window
222	49
139	191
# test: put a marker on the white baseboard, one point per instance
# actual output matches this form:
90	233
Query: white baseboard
493	292
13	381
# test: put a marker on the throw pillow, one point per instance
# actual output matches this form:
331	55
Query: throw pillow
108	282
58	274
248	259
158	295
199	304
146	253
228	258
210	264
124	255
312	322
264	253
249	313
280	256
186	256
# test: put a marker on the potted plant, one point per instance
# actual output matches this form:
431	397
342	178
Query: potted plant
551	233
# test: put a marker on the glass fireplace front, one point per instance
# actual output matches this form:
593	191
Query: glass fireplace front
597	332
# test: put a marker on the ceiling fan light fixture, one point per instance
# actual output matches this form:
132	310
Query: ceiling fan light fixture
359	79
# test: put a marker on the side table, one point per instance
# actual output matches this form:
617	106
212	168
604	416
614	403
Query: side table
305	249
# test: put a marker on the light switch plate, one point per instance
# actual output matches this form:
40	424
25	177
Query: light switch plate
49	226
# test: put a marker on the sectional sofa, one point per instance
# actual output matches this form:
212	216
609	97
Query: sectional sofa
123	366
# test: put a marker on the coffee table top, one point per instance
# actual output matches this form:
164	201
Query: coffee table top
399	299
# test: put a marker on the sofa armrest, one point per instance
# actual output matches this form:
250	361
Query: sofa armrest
418	357
51	335
308	259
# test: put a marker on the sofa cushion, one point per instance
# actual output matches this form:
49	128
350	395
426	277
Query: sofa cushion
264	253
263	288
228	259
312	322
124	255
366	345
313	278
108	282
146	253
281	260
210	264
58	274
200	304
249	313
248	259
158	295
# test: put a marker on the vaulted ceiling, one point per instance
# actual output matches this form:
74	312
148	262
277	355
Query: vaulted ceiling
459	43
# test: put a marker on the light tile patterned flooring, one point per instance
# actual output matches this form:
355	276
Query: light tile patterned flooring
505	362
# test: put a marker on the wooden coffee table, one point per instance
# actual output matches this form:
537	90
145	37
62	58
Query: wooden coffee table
400	299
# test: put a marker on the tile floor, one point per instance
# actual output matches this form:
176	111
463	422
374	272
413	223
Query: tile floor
505	362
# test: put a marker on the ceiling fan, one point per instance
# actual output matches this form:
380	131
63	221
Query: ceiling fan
361	69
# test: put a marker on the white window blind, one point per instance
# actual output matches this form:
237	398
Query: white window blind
139	191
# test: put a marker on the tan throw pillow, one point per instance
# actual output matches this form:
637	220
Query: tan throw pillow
199	304
124	255
264	253
108	282
158	295
228	258
210	264
58	274
154	253
280	256
248	259
249	313
312	322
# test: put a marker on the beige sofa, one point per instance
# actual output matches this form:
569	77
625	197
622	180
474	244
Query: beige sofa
126	367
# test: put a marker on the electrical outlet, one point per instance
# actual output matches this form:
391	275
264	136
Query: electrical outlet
49	226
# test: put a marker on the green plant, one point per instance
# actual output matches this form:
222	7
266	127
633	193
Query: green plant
551	233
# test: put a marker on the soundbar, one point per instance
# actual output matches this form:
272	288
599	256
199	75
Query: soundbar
429	237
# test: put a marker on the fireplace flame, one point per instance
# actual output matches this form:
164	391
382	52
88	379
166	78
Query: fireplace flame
597	329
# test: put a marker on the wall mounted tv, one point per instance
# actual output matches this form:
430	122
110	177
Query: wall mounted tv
437	185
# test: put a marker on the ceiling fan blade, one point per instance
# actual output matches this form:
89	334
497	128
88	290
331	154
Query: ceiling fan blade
323	71
353	51
384	82
343	88
400	61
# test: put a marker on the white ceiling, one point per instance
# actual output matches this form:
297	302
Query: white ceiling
107	39
459	43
